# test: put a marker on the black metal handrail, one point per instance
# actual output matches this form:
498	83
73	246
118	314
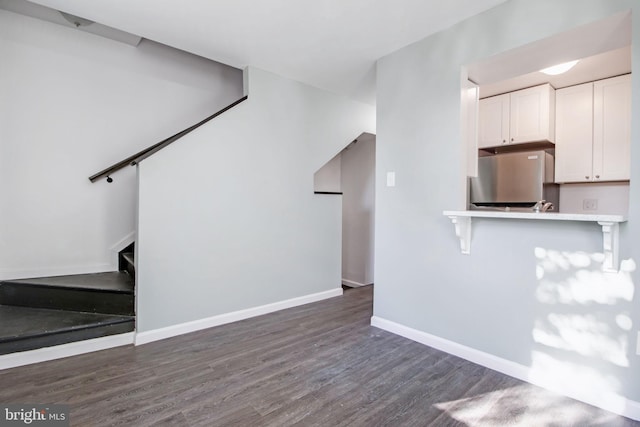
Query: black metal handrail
141	155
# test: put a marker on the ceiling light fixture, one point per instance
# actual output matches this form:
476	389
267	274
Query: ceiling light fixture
559	69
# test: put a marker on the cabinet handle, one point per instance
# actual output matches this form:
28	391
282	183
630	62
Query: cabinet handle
511	139
586	177
597	176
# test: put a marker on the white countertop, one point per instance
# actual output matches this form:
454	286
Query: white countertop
557	216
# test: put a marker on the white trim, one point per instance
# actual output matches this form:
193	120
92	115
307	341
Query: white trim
221	319
55	271
116	248
476	356
353	283
615	403
64	350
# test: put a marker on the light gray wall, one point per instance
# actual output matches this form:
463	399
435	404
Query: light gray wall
611	197
71	104
227	217
531	292
358	209
327	178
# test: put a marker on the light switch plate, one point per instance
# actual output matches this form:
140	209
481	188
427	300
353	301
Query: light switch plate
391	179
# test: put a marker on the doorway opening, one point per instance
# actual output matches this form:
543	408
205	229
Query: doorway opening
351	174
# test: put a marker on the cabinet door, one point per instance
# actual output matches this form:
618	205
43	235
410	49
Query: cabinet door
493	121
533	115
574	133
612	129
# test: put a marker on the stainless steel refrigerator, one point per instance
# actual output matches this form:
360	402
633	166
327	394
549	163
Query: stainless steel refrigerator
515	180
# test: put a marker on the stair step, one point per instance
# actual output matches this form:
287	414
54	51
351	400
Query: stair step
128	256
108	293
25	328
111	281
129	262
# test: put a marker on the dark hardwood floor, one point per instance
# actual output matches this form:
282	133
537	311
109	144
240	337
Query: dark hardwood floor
320	364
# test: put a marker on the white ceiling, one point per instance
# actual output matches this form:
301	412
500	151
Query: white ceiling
608	64
330	44
599	56
44	13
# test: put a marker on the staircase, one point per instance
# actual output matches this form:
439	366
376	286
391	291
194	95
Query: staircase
48	311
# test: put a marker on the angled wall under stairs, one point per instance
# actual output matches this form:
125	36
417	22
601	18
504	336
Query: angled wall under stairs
235	199
48	311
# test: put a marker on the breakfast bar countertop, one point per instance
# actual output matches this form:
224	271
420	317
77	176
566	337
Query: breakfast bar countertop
557	216
609	224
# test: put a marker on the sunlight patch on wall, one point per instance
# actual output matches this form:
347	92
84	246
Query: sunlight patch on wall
580	381
583	323
577	278
585	335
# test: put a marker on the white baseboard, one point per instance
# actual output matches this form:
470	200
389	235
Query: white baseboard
64	350
221	319
614	403
56	271
353	283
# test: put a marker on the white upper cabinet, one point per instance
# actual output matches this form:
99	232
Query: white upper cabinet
527	115
574	133
533	114
593	131
493	121
612	129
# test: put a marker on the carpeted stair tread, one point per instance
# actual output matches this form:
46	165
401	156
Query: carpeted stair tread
106	293
128	256
25	322
117	282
